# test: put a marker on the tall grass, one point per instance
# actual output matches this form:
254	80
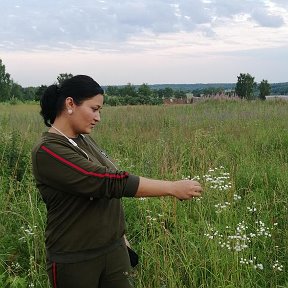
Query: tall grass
235	236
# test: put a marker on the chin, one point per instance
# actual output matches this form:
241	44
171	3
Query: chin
88	131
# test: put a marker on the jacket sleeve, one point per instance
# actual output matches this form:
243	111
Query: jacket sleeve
62	168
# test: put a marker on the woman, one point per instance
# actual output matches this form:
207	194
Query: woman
81	188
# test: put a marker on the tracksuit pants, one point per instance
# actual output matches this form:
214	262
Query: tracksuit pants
110	270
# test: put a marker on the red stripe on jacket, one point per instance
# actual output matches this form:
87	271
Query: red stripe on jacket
54	269
107	175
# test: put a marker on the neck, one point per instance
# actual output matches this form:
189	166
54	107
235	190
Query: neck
70	140
62	130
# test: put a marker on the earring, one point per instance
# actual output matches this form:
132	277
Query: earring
69	111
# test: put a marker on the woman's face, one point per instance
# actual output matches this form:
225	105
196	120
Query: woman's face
86	115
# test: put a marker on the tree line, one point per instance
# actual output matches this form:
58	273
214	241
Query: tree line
130	94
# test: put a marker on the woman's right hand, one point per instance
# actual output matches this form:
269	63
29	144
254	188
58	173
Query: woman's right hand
186	189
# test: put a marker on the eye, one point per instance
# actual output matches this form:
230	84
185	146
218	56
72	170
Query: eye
95	109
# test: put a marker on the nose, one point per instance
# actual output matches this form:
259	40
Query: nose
97	117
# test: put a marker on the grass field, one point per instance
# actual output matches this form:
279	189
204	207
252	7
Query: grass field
236	235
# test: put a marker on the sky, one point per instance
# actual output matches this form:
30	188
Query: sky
144	41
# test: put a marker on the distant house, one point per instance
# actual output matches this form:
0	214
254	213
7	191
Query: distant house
177	101
190	98
277	97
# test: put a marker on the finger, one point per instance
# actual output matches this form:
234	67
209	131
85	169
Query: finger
198	190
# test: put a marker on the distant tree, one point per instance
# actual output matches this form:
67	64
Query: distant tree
16	91
168	92
63	76
144	94
145	90
112	100
264	89
29	93
112	91
5	83
197	92
279	88
245	86
179	94
128	90
159	93
132	100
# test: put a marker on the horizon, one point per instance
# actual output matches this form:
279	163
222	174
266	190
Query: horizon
164	84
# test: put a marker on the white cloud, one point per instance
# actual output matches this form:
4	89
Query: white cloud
156	37
33	24
266	19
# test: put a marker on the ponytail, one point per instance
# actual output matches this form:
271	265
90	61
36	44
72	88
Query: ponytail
49	104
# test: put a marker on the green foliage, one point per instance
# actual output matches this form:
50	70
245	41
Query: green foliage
264	88
188	140
63	76
168	92
279	88
14	155
12	91
112	91
13	282
16	91
21	211
5	83
128	90
29	94
144	94
180	243
180	94
13	100
194	87
245	86
141	95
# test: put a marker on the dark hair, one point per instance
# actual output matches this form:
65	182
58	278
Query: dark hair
80	88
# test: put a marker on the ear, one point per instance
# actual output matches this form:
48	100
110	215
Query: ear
70	104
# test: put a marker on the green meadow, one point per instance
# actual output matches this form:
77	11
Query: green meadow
235	236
